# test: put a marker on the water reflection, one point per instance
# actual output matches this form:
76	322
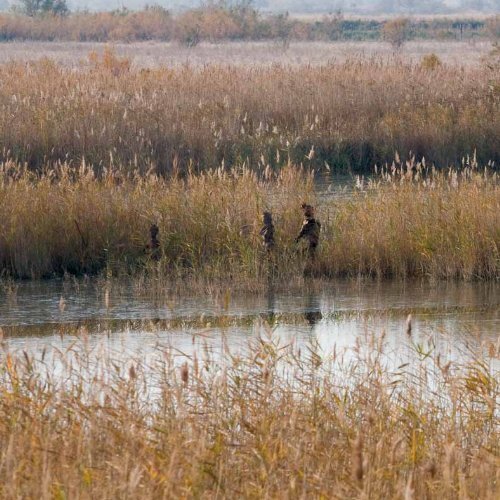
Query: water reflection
312	312
270	313
339	186
335	314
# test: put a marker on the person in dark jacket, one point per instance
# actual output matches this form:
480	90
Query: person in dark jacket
267	231
153	248
311	228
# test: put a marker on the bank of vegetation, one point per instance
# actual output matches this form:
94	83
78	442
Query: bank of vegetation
410	221
218	22
346	116
267	422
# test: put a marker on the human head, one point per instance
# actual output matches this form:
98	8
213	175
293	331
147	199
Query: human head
267	217
308	210
153	230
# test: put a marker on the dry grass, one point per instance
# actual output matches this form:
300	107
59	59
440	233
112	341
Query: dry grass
446	225
269	422
412	221
153	54
354	114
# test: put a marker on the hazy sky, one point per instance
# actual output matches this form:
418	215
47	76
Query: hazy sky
278	5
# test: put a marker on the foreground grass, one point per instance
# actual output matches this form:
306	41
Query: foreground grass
268	422
350	115
411	221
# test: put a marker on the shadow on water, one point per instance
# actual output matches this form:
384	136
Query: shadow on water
312	312
311	307
270	314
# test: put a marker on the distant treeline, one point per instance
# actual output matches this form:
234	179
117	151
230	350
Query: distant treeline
215	24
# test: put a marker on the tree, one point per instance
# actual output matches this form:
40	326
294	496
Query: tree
283	28
34	8
396	32
493	27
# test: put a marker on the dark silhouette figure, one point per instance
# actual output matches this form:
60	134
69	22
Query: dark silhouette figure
270	314
310	230
267	231
312	313
153	248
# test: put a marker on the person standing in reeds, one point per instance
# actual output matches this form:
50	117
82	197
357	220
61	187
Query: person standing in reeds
153	248
267	232
311	228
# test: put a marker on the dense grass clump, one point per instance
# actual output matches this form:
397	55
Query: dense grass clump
269	422
409	221
349	116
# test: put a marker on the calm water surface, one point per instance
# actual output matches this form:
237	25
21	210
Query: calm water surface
43	315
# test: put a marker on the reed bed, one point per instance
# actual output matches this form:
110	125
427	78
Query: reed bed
408	221
348	116
271	421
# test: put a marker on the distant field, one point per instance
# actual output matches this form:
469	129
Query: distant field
153	54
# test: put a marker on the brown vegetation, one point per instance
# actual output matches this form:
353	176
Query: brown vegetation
215	23
268	422
413	221
396	32
350	115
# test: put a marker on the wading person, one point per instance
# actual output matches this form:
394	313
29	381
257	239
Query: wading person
267	232
310	230
153	248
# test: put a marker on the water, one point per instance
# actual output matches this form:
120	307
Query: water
36	316
338	186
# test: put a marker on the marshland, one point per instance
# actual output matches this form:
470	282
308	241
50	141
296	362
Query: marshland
152	347
347	117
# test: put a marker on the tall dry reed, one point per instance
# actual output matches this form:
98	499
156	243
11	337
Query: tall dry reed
272	421
410	222
349	116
